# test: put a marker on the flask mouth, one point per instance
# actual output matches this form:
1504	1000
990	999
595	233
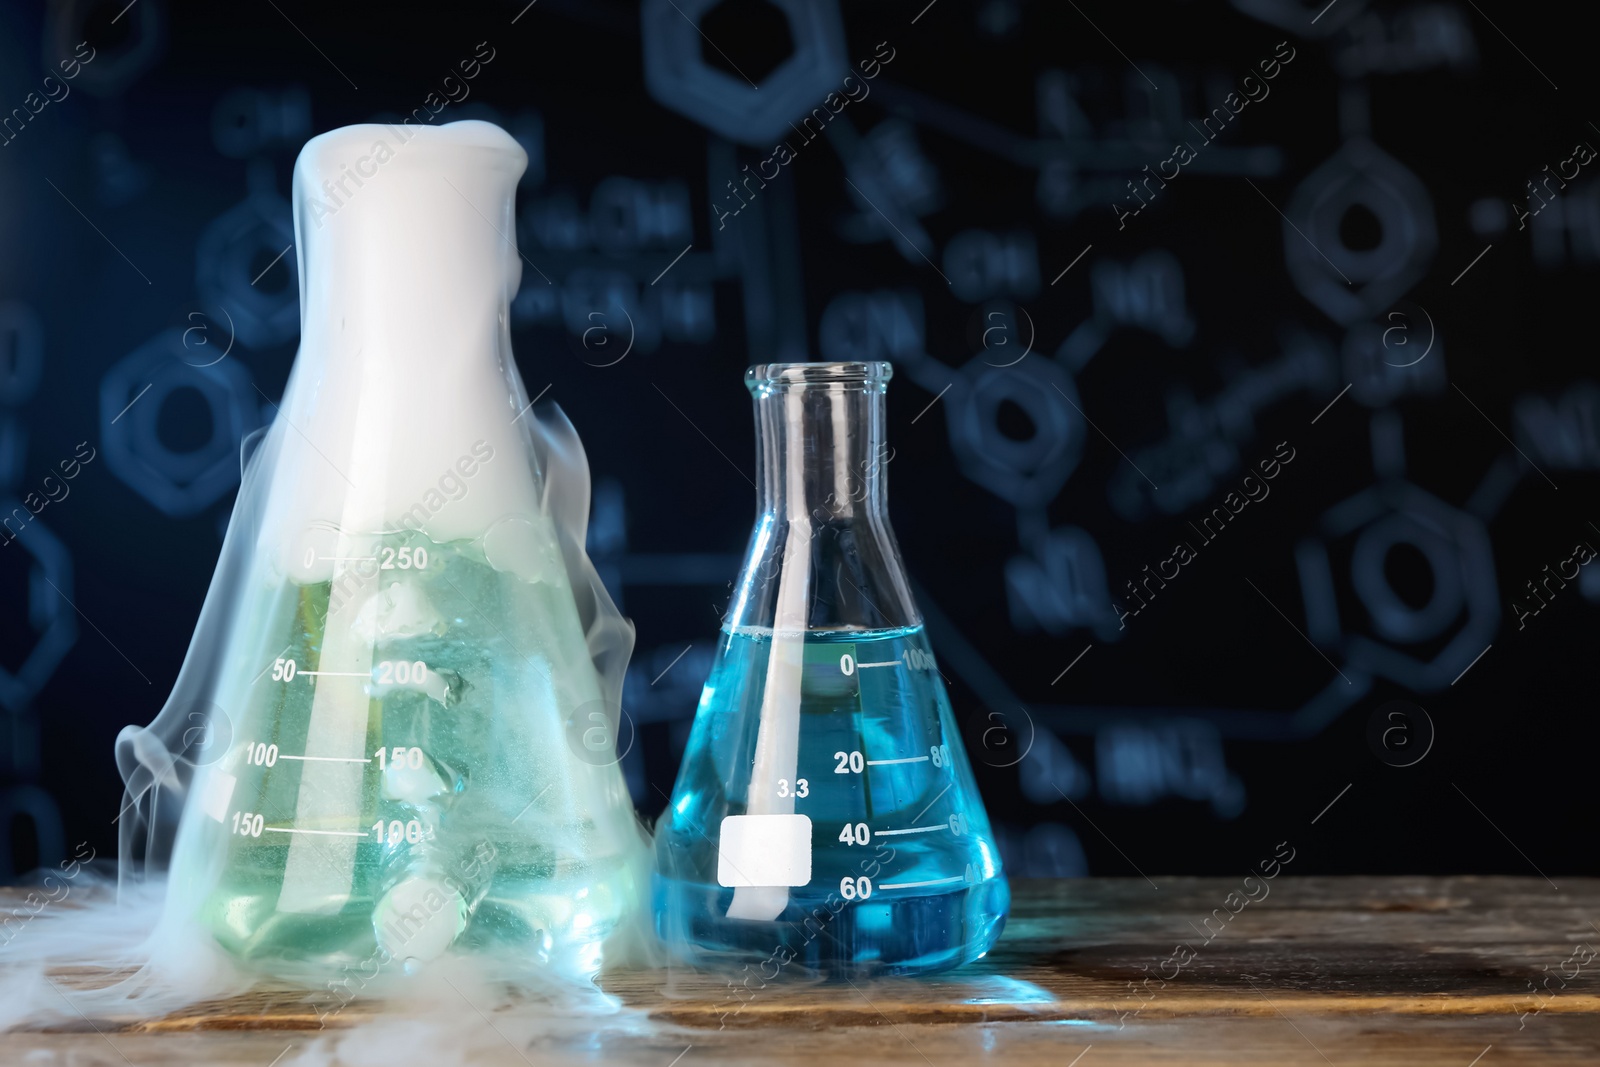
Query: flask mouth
766	378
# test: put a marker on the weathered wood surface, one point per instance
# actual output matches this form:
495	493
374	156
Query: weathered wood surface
1414	971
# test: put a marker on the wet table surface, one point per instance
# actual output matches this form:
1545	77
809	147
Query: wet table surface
1093	972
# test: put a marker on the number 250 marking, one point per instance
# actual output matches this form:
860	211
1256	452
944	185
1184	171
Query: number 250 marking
405	559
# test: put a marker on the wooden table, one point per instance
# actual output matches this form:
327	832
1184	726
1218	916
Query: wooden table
1413	971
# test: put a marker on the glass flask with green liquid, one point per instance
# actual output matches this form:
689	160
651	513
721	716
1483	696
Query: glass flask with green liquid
402	639
825	818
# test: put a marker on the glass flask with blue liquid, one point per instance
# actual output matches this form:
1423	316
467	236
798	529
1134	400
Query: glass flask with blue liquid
825	819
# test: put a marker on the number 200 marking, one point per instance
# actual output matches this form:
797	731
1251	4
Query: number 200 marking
393	672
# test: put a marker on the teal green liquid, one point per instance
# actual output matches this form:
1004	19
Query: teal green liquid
532	848
937	897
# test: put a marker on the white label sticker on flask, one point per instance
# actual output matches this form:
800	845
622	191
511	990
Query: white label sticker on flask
218	792
764	850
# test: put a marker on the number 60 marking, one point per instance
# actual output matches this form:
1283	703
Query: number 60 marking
855	888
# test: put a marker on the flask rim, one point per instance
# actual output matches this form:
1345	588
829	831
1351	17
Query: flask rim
765	377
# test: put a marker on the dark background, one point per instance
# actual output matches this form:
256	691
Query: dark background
931	226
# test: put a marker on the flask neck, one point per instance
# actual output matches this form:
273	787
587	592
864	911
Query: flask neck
403	236
404	390
820	453
822	522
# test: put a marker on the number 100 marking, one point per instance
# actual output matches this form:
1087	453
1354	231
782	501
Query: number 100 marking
410	832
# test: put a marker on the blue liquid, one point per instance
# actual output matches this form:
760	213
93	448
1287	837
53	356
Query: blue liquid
935	897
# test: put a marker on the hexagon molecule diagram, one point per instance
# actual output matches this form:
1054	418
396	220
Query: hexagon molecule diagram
21	352
1350	283
233	262
180	482
753	108
1302	19
50	615
1425	646
1026	472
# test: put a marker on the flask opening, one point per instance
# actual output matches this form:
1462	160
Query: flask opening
763	379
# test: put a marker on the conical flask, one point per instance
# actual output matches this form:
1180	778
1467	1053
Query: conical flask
825	816
405	659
